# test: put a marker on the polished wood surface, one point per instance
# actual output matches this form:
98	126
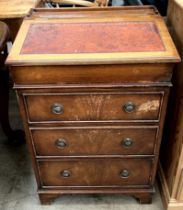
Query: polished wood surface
12	13
98	106
171	171
131	10
16	8
106	140
78	108
101	172
87	74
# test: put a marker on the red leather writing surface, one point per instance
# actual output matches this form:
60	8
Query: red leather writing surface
62	38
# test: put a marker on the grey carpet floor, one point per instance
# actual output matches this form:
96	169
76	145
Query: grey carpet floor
18	185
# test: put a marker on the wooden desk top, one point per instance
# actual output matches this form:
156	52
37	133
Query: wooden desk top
97	36
16	8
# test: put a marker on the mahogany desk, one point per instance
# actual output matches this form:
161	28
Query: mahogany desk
93	86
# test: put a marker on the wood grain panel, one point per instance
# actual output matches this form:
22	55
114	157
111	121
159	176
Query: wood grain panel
172	150
16	8
86	12
93	107
93	172
89	74
94	141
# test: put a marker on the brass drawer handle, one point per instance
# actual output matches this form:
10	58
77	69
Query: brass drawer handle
129	107
125	173
61	143
57	108
65	173
127	142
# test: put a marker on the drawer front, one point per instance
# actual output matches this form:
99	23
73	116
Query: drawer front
92	74
94	141
93	107
93	172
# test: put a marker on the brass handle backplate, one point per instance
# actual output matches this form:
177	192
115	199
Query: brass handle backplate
65	173
124	173
61	143
57	108
129	107
127	142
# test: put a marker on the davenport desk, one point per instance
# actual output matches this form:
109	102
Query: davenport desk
92	86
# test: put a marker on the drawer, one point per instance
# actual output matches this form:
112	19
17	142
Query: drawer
75	141
93	172
92	74
93	106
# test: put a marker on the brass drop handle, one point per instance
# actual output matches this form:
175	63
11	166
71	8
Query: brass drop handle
127	142
124	173
65	173
57	108
129	107
61	143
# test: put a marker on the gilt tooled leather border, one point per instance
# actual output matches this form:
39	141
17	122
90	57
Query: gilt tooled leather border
94	37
